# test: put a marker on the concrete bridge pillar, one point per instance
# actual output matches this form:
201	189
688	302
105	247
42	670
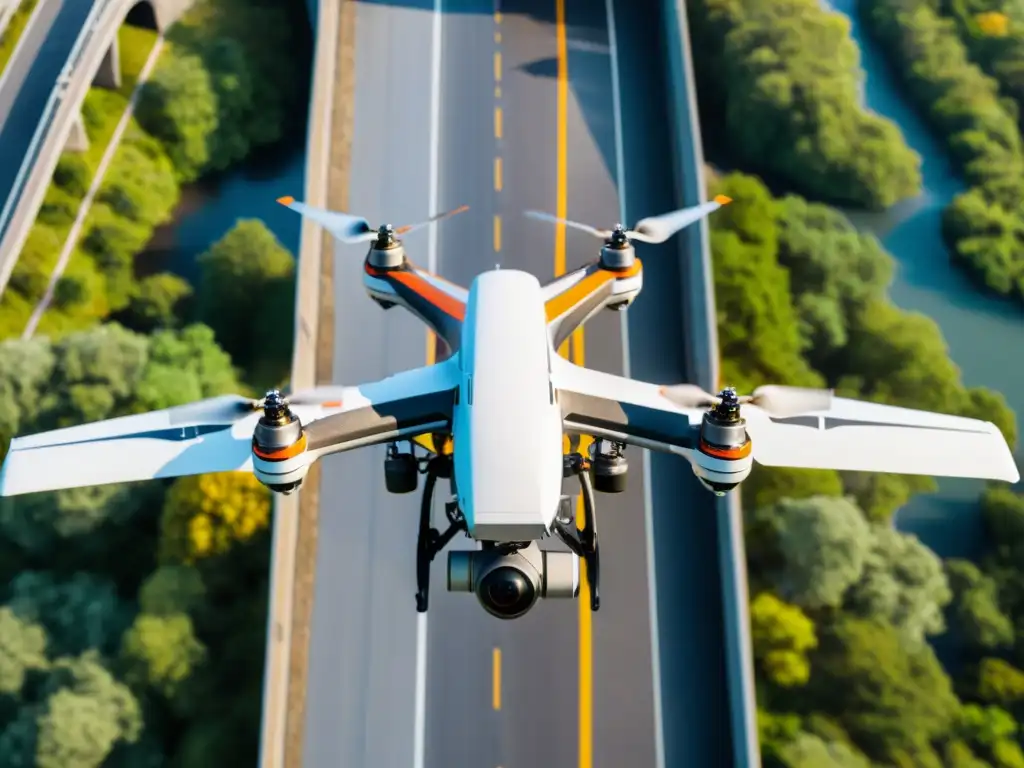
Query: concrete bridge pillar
78	139
109	73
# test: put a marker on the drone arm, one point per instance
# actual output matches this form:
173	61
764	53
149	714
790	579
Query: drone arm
574	298
439	304
623	410
402	406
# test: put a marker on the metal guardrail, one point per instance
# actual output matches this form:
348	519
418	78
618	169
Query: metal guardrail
45	122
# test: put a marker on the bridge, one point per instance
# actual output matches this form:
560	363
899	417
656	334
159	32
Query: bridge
93	60
688	624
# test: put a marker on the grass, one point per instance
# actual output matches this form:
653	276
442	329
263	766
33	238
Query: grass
11	36
102	110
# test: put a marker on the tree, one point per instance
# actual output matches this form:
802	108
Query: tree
170	590
73	174
81	613
140	186
808	751
205	515
902	584
237	273
83	713
975	607
890	696
177	105
161	652
1003	512
782	636
781	80
156	302
184	366
22	650
769	485
822	545
1000	683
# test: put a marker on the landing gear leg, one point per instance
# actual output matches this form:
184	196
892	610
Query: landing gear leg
431	541
583	542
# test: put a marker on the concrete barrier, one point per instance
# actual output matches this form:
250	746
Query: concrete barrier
701	332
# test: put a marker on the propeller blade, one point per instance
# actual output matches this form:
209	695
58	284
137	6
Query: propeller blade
344	227
541	216
404	230
783	402
658	229
689	396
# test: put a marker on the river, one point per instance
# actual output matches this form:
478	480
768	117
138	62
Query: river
981	331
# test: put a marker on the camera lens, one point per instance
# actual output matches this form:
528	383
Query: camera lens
506	592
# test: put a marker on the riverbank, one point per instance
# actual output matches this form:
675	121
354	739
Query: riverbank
979	329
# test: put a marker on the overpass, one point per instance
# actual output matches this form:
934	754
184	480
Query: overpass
712	527
93	60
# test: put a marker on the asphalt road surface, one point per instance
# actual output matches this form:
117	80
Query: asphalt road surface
29	78
560	686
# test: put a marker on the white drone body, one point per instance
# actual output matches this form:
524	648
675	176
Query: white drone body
498	410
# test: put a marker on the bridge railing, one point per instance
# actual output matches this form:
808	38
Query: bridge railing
43	127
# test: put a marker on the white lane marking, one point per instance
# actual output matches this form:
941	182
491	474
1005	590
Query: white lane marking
652	588
420	717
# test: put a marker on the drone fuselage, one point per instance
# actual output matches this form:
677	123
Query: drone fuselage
507	425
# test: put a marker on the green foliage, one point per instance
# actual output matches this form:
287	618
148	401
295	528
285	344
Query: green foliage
891	697
809	751
782	635
242	270
902	585
975	608
156	302
83	712
22	650
963	105
161	652
781	79
171	590
140	186
79	614
73	174
813	549
999	682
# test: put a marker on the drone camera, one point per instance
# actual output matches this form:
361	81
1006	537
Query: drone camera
508	580
609	467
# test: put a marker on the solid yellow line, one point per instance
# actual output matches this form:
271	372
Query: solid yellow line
497	66
497	174
586	693
497	233
496	679
497	122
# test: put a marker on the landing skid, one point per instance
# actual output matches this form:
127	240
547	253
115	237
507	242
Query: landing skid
430	542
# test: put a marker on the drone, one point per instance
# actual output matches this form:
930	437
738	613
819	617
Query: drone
498	410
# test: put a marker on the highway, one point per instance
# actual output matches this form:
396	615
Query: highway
511	115
30	76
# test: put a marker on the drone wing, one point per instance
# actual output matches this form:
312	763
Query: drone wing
216	435
868	437
616	408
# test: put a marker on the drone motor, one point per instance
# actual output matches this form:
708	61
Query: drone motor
278	443
723	457
386	251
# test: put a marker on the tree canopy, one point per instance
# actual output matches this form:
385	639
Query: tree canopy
780	81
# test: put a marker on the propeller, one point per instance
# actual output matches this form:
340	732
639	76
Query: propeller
774	399
228	409
653	229
355	229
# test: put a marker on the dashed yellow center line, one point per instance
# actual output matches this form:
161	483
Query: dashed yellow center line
497	17
497	174
497	66
496	679
497	233
497	122
497	37
497	91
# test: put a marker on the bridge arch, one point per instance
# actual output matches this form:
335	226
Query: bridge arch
143	14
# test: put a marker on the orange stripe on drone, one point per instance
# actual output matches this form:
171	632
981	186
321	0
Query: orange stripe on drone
280	454
726	453
422	288
573	295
